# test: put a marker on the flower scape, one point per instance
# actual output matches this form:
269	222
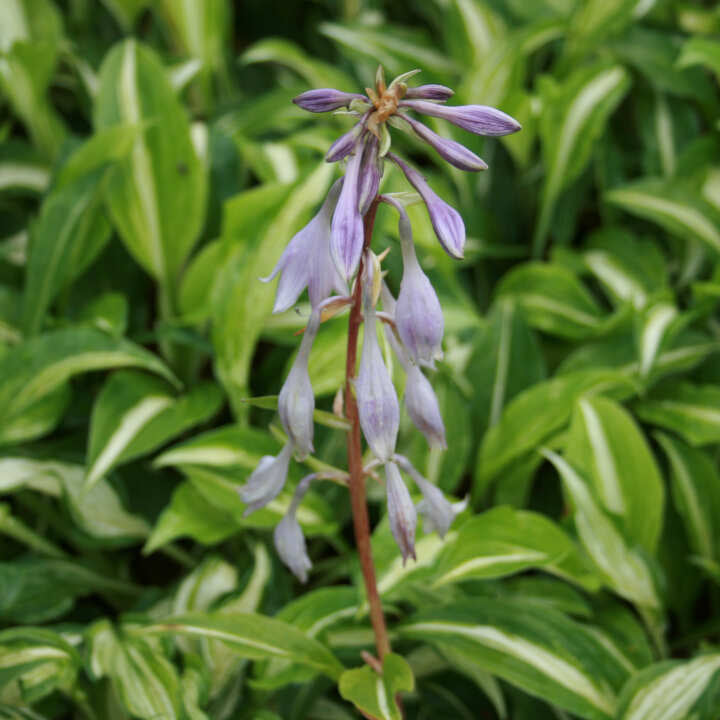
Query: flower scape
331	257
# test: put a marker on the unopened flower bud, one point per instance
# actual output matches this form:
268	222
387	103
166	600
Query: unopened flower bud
344	145
306	261
377	401
370	174
450	150
296	402
438	512
346	234
446	221
422	406
325	99
418	315
478	119
288	536
429	92
401	511
267	480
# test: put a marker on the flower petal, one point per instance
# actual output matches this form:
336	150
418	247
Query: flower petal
267	480
478	119
325	99
422	406
429	92
401	511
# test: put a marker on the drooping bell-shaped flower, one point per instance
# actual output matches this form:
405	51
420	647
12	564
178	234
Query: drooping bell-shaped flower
422	406
437	510
288	536
346	234
454	152
267	480
306	261
418	315
478	119
370	175
401	511
377	402
326	99
446	221
296	402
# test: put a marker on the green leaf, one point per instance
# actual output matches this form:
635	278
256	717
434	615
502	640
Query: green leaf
538	413
539	650
374	693
135	414
553	300
622	566
606	444
156	196
692	411
504	541
696	492
34	369
700	50
574	116
669	690
145	680
673	205
256	637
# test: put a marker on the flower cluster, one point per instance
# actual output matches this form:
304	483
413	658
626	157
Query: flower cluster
324	257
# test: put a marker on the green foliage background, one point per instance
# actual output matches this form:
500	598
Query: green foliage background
152	167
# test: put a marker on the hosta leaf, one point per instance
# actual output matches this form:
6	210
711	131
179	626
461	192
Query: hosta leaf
503	541
657	324
34	662
256	637
700	50
672	205
374	692
692	411
553	300
574	116
696	492
622	566
606	443
135	413
538	413
37	367
539	650
669	690
145	680
156	196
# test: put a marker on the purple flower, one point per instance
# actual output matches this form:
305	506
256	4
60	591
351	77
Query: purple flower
418	315
446	221
436	509
288	536
267	480
478	119
296	402
370	174
306	261
422	406
429	92
455	153
377	401
326	99
346	233
401	512
345	144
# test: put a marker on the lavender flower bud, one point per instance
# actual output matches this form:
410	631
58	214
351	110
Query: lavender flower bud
288	536
346	233
344	145
429	92
436	509
296	401
478	119
325	99
446	221
455	153
422	406
418	315
306	261
377	401
370	174
401	512
267	480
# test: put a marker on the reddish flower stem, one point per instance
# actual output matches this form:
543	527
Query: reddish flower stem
361	521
